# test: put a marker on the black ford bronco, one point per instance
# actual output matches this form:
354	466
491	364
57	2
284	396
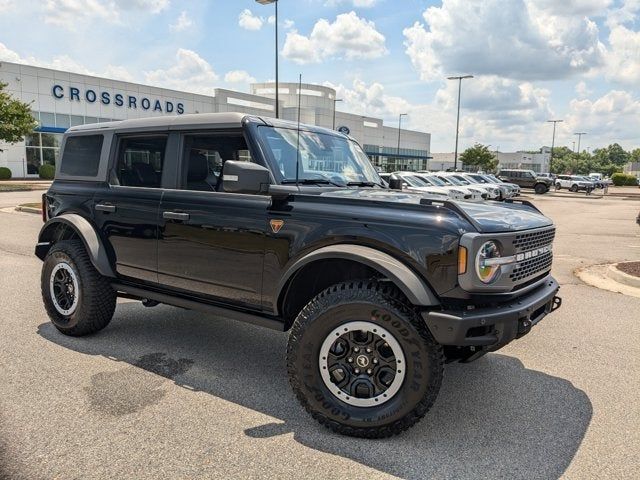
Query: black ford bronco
290	227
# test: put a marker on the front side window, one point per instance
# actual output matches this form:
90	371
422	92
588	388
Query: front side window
204	157
321	158
140	161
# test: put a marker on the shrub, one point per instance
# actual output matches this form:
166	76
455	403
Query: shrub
5	173
621	179
47	171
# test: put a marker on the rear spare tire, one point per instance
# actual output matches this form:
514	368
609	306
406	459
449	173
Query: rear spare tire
78	300
362	362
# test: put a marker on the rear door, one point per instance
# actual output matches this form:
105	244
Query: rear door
126	209
212	243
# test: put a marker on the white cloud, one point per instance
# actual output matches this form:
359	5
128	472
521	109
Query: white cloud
623	59
355	3
573	7
288	24
239	76
65	63
249	21
6	5
71	14
182	23
626	12
369	99
190	73
517	39
349	37
608	119
582	90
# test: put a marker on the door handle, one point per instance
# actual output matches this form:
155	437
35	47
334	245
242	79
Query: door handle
175	216
105	207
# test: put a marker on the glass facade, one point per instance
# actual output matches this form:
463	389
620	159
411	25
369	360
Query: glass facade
387	159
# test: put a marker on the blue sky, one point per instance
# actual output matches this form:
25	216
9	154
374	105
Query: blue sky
578	60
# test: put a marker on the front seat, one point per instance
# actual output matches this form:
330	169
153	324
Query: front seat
198	173
144	175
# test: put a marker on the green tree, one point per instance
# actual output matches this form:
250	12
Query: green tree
479	156
15	118
613	154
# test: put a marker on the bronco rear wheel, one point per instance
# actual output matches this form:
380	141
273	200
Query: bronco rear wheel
362	362
78	300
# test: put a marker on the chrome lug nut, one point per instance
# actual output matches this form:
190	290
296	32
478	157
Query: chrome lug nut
357	370
368	350
350	360
356	349
375	361
369	372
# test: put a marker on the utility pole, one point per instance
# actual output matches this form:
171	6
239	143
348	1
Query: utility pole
335	100
553	140
579	134
268	2
399	130
459	78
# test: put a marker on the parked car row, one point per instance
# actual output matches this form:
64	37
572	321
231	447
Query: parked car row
578	182
472	187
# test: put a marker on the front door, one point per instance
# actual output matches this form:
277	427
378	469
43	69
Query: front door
211	243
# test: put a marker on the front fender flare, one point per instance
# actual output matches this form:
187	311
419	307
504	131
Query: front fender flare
87	233
414	288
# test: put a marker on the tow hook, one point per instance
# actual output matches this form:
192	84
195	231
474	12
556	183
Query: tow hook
557	302
149	303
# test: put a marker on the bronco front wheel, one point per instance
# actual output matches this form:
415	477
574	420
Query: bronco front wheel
362	362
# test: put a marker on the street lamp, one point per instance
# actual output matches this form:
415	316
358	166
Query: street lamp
268	2
335	100
399	125
579	138
553	140
459	78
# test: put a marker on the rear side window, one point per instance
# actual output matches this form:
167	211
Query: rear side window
140	161
81	156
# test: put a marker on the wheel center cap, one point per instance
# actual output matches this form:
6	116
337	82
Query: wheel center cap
362	361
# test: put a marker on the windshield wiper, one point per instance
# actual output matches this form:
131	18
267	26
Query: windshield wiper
311	181
363	184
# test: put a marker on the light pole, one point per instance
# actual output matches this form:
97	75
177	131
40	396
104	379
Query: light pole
399	125
553	140
459	78
335	100
268	2
579	138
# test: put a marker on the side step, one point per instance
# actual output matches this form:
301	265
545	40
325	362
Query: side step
129	291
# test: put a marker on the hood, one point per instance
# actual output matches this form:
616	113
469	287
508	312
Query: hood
487	217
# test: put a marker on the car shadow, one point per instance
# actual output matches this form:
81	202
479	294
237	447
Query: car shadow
494	418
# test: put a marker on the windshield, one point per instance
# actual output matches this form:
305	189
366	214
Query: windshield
450	181
463	181
414	181
478	178
323	157
433	180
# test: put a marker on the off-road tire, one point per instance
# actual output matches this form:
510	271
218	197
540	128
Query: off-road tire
381	304
574	188
540	188
96	298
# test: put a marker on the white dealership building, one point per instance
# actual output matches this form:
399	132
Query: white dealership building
61	99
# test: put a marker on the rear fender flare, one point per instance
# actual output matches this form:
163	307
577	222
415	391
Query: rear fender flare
414	288
87	233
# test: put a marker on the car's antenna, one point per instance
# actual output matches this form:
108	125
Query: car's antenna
298	145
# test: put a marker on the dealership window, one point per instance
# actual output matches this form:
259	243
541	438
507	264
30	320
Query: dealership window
41	148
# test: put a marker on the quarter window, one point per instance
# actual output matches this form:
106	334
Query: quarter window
81	156
140	161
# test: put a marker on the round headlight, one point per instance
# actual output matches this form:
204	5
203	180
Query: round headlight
486	271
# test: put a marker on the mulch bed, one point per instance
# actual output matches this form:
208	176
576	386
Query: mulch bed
630	268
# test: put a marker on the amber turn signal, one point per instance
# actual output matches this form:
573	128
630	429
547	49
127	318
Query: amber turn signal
462	260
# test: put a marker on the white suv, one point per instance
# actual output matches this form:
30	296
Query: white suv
573	183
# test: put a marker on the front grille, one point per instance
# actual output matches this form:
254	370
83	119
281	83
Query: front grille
530	241
532	266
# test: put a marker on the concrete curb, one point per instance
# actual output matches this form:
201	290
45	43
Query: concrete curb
28	210
622	277
599	276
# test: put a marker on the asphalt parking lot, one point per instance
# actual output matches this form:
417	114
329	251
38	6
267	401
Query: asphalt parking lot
167	393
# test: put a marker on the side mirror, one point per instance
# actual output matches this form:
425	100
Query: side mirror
245	177
395	182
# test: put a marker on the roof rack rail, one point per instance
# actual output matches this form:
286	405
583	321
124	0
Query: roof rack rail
451	206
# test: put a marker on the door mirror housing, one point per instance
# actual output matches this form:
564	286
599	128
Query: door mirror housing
245	177
395	182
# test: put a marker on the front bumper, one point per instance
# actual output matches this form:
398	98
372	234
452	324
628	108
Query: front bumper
488	329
